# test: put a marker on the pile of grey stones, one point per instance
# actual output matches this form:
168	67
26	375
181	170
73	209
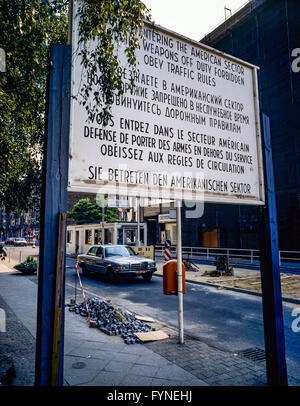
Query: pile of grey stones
112	321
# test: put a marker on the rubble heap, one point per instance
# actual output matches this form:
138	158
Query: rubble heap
112	321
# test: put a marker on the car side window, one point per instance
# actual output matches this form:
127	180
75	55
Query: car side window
99	252
92	251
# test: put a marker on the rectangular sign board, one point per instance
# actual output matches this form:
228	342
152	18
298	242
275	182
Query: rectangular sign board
120	202
143	251
190	130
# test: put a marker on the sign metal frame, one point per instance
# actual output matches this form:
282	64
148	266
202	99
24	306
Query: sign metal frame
80	185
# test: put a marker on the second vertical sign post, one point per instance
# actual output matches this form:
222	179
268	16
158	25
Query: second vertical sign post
179	273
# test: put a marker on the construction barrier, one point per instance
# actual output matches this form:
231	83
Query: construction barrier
82	291
170	282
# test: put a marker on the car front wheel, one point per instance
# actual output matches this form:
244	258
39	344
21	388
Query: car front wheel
110	275
147	277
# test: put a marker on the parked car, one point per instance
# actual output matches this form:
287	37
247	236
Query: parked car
116	261
20	242
10	241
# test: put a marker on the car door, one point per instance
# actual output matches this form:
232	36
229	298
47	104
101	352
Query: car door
90	258
99	262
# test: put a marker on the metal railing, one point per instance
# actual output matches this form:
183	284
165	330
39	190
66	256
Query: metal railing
289	257
235	256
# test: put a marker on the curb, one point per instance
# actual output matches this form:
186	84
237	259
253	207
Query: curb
240	290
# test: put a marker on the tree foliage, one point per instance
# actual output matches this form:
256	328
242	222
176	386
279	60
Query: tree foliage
87	212
28	28
108	24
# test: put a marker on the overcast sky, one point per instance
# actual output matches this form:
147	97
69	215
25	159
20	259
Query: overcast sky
191	18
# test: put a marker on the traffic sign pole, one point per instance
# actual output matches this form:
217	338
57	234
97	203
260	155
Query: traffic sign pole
270	274
50	317
179	274
138	220
103	219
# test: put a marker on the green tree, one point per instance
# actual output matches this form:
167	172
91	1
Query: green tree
27	29
87	212
109	24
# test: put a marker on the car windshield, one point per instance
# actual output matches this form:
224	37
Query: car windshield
119	251
20	239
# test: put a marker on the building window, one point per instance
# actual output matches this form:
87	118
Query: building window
88	237
69	237
174	233
97	237
168	235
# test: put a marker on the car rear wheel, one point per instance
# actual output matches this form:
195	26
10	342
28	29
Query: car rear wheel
147	277
85	271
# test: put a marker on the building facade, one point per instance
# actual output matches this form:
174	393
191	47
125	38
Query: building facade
25	224
265	33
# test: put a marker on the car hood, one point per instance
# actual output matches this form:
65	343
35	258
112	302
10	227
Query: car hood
128	260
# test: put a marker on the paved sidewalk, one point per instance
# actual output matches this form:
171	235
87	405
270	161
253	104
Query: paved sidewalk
93	358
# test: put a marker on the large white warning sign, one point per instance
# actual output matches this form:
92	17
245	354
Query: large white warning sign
190	128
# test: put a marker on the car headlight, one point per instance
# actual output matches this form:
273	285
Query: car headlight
122	267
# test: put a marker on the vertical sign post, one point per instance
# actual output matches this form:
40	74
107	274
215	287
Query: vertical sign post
103	220
179	273
270	274
50	307
58	304
138	221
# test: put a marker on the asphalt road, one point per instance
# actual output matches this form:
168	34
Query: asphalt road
226	320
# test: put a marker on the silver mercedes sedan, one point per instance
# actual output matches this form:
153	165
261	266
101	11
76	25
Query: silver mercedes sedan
116	261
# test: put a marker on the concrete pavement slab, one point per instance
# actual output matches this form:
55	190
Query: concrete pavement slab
91	357
136	380
16	339
108	378
21	295
122	360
